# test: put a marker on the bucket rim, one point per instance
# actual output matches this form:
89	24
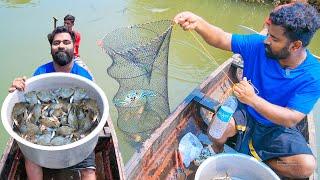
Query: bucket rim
238	155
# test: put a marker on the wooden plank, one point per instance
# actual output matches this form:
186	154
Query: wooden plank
6	153
116	148
105	132
312	140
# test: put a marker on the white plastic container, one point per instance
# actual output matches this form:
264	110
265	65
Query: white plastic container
238	166
57	157
223	116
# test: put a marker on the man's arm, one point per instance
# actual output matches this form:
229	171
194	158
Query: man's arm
277	114
213	35
78	39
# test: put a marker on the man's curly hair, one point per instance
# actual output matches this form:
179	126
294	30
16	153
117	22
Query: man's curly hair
299	20
58	30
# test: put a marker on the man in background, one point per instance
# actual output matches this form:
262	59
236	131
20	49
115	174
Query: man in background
69	23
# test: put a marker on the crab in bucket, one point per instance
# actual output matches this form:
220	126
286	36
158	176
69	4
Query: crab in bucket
55	117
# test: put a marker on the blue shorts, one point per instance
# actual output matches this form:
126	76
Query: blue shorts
266	142
88	163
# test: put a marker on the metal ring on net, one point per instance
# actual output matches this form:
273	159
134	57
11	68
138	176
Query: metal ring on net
138	26
139	56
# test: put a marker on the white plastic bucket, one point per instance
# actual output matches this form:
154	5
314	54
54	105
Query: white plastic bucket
237	166
57	157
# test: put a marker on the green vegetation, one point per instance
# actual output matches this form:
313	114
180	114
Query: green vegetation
315	3
275	2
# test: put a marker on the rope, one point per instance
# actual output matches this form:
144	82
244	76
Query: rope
211	58
228	92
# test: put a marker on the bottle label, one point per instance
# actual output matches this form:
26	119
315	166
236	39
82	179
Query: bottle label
224	113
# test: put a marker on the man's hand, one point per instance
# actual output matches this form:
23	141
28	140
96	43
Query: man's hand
18	83
283	116
187	20
244	92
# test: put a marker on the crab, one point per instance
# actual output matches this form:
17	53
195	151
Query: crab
55	109
31	98
59	141
19	113
29	129
64	93
44	139
134	98
72	118
136	137
90	107
79	94
51	122
57	113
65	130
84	125
45	96
36	113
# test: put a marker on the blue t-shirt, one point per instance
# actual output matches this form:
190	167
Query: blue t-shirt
297	89
76	69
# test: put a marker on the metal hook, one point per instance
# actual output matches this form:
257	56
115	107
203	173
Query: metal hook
254	87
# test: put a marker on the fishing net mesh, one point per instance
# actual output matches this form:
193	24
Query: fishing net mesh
139	56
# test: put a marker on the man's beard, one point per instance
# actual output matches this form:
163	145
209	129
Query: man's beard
283	54
62	58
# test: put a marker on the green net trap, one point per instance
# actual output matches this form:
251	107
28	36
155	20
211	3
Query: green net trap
139	56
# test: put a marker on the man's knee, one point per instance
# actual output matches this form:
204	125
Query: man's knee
299	166
308	165
88	173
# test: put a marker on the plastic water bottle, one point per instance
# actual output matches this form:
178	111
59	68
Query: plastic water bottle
223	116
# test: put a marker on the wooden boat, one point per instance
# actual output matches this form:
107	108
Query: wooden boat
157	158
108	160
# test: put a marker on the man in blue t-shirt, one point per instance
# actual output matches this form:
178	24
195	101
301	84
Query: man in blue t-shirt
62	51
286	76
